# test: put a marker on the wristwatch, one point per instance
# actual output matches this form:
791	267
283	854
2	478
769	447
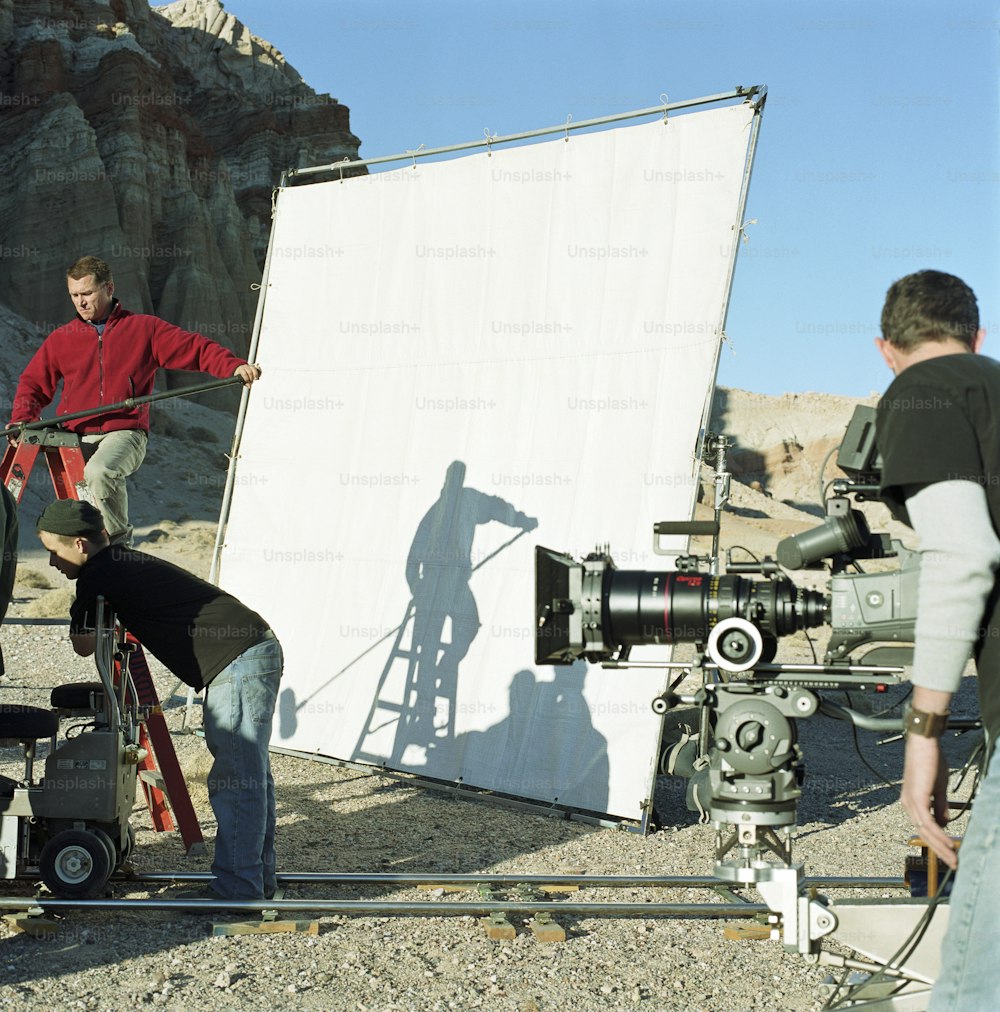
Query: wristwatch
926	725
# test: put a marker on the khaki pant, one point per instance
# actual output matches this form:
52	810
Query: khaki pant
110	458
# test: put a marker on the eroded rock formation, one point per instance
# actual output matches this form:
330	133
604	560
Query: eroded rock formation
153	138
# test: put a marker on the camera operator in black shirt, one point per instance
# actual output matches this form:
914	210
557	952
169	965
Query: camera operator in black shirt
211	641
938	431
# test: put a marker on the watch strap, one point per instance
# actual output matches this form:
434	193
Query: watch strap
925	725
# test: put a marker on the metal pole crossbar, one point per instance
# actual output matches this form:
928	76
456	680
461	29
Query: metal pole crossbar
757	92
508	880
130	402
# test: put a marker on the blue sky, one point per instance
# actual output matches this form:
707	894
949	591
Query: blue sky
878	152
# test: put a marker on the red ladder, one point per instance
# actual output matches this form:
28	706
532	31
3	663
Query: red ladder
167	782
64	458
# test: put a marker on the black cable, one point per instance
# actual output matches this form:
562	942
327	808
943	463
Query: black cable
838	985
812	646
905	950
920	929
823	486
857	742
895	705
743	548
878	774
964	771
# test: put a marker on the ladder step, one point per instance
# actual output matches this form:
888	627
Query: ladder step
175	788
154	778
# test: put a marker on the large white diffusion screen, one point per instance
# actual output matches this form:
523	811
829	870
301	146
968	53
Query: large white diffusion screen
463	360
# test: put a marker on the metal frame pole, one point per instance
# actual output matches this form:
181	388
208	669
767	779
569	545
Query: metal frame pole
400	908
43	424
234	450
490	141
759	98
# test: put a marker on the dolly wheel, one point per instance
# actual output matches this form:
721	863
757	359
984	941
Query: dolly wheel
108	844
75	864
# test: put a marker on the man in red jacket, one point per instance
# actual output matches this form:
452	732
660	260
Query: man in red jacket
106	355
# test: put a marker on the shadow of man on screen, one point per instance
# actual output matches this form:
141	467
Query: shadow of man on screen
546	748
445	616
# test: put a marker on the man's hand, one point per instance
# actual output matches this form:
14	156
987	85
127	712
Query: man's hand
248	373
84	643
925	795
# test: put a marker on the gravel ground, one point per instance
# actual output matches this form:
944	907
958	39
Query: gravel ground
337	819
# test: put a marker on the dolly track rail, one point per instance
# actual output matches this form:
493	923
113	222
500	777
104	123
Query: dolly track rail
400	908
732	907
507	880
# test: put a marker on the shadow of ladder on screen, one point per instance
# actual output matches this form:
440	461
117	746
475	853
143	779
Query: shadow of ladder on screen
163	784
414	709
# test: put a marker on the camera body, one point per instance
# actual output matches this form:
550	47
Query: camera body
592	610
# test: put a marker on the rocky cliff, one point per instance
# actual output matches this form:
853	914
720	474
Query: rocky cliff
152	137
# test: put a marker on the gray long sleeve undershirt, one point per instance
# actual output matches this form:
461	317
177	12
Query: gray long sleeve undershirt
959	556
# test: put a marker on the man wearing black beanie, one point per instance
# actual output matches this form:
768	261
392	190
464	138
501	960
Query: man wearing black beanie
209	640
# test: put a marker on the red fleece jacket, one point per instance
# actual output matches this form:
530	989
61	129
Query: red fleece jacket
119	364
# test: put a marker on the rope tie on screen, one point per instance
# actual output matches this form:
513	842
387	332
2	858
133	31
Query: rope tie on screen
490	138
743	229
413	152
569	119
665	99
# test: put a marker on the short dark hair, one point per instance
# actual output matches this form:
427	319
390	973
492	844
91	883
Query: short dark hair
929	306
90	265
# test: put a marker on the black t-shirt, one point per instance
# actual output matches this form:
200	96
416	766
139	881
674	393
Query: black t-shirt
188	624
940	421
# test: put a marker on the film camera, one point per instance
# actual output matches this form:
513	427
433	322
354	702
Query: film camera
744	762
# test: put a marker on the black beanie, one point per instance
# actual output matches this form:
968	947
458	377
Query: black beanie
72	517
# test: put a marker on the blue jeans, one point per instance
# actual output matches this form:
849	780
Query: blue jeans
967	981
239	709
